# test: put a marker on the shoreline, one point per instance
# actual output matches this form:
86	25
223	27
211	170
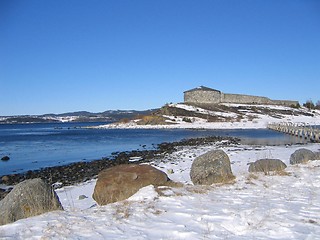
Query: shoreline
192	126
78	172
29	172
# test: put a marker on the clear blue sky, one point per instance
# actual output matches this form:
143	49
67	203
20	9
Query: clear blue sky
59	56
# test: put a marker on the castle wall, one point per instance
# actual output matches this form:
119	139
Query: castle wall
202	97
245	99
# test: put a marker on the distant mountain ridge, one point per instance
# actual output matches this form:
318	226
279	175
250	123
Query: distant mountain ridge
79	116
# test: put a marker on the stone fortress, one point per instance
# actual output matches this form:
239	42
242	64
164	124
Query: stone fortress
205	95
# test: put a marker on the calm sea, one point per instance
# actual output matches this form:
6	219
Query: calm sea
34	146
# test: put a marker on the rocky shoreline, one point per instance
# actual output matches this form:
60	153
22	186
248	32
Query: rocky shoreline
83	171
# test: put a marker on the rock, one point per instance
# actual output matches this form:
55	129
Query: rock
5	158
81	197
122	181
267	165
211	167
2	193
302	155
28	198
5	179
317	155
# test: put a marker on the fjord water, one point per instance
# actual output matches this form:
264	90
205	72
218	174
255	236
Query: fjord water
34	146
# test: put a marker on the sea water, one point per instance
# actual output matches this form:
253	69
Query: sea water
34	146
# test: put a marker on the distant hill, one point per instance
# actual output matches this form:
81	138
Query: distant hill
80	116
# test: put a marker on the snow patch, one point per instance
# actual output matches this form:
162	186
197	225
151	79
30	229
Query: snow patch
144	194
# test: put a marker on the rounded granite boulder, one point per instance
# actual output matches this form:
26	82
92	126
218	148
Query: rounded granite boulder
267	165
211	167
302	155
28	198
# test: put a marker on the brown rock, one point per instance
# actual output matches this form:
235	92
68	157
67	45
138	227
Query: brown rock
5	179
120	182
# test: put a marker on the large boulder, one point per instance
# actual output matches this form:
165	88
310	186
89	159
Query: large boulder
28	198
211	167
302	155
121	182
267	165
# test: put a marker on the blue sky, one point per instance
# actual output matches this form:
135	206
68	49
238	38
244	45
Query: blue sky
59	56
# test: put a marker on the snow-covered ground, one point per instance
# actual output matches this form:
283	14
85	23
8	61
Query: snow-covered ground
255	206
251	120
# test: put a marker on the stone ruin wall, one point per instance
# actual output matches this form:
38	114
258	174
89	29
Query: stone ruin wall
245	99
205	97
214	97
239	98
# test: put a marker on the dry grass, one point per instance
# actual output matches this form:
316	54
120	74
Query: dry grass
226	179
281	173
126	208
124	120
122	210
250	178
174	184
198	189
152	120
255	176
162	191
167	191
